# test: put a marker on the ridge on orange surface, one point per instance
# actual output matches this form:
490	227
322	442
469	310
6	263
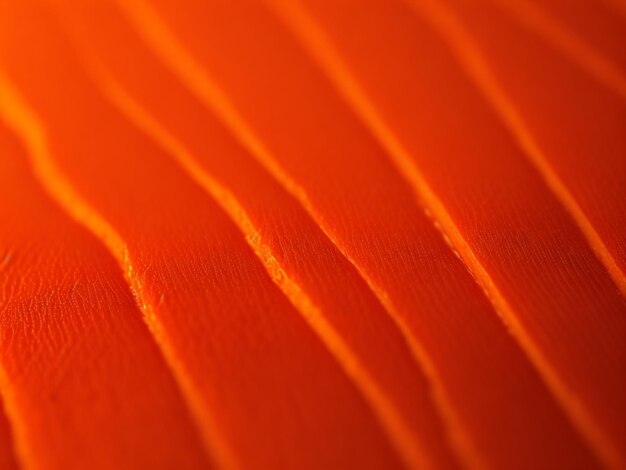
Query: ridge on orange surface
585	152
310	270
270	83
477	68
583	155
490	201
263	389
406	96
303	234
589	33
74	347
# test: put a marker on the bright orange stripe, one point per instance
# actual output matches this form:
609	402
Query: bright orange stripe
27	125
391	419
583	151
157	34
193	74
250	357
340	306
578	157
598	24
281	86
575	47
381	119
31	425
177	57
477	68
325	53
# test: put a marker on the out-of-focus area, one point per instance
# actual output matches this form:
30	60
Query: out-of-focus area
313	234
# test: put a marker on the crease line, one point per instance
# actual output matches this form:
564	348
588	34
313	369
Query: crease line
164	44
476	67
568	43
15	111
321	48
473	61
383	408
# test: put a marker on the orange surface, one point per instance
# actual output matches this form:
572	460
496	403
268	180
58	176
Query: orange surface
312	234
360	201
585	151
196	280
590	33
8	459
322	284
74	336
524	227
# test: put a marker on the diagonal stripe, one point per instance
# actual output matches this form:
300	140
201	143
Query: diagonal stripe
16	112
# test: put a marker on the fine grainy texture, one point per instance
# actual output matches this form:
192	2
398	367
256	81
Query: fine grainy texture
310	234
195	277
549	281
321	283
360	201
576	123
75	351
586	150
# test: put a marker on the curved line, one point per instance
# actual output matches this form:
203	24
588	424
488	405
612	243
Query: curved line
19	433
578	50
184	65
27	125
385	411
476	66
472	60
327	57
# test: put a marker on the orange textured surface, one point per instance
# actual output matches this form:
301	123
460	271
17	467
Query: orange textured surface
75	336
197	279
340	307
524	226
583	155
295	234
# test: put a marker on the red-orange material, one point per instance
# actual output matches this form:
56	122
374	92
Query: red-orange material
8	458
579	127
442	132
349	185
310	234
84	383
279	230
577	27
578	124
264	390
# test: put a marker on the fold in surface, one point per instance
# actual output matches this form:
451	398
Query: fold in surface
590	33
75	352
322	284
574	128
312	234
545	279
263	389
280	105
572	125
